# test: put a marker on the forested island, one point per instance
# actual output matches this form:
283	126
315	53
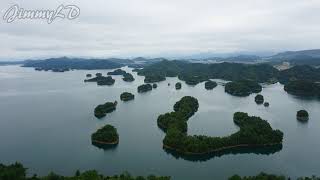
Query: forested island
105	135
194	73
259	99
242	88
101	110
117	72
303	88
101	80
144	88
126	96
210	84
253	131
178	85
302	115
154	78
128	77
17	171
154	85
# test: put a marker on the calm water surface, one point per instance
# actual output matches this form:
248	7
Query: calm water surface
47	119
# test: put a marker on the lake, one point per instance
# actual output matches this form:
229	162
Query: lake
47	119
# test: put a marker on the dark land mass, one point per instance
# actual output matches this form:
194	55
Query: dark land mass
101	110
254	132
242	88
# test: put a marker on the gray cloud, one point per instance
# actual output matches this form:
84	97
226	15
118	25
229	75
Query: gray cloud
126	28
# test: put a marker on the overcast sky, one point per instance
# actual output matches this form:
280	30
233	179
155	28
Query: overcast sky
128	28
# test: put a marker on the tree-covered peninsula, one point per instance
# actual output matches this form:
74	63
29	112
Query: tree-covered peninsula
303	88
101	80
253	131
126	96
144	88
178	85
101	110
210	84
105	135
17	171
242	88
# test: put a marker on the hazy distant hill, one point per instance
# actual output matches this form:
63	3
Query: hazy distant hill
75	63
306	57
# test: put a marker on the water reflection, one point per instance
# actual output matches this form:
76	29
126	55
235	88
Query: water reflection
266	150
105	147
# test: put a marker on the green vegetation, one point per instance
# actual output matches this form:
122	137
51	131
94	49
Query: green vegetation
89	75
266	104
210	85
242	88
194	73
18	172
253	131
261	176
144	88
303	88
105	135
101	110
304	72
101	80
154	86
117	72
128	77
259	99
126	96
302	115
154	78
178	85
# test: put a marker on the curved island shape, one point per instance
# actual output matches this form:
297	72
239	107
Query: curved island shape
117	72
303	88
127	77
242	88
101	110
254	132
107	135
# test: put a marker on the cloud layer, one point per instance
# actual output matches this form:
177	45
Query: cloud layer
126	28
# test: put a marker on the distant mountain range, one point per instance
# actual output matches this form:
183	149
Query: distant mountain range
305	57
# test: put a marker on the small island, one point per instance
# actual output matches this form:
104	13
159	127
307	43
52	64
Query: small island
178	85
154	78
101	80
106	135
210	85
154	86
89	75
128	77
259	99
242	88
266	104
117	72
302	115
144	88
126	96
254	132
101	110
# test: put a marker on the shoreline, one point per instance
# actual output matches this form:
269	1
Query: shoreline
106	143
220	149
